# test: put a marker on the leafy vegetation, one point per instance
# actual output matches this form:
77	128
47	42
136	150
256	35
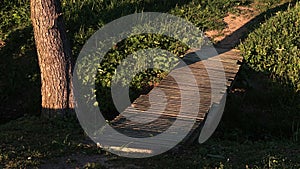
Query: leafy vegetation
274	47
143	81
271	74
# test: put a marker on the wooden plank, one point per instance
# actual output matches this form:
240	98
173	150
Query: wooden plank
163	112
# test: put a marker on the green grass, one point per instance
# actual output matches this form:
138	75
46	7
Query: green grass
31	142
226	154
25	141
274	48
271	71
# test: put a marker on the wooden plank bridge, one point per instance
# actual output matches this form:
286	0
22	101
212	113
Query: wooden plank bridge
159	110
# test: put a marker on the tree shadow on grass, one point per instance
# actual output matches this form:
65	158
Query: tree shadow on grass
258	108
20	79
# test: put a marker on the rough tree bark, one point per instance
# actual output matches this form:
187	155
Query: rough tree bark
54	55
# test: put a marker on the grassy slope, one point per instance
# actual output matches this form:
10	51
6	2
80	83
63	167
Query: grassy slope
274	48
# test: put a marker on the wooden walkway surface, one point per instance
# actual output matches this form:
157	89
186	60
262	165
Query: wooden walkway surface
151	116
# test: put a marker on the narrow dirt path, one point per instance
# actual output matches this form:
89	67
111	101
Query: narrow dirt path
231	35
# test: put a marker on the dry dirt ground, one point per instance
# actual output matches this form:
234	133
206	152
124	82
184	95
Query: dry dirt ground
227	38
235	27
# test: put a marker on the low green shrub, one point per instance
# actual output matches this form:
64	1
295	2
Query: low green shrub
274	48
143	81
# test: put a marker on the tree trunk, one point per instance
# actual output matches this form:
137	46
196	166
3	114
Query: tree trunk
54	55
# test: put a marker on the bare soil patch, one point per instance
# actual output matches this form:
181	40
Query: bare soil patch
235	26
